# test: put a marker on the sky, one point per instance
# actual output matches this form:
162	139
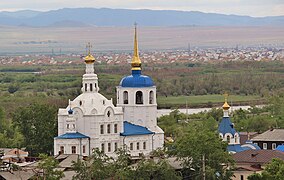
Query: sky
255	8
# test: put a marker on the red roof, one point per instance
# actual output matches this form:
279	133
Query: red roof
254	156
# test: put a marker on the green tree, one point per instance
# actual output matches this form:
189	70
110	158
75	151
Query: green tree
97	166
100	166
273	171
200	142
38	124
48	167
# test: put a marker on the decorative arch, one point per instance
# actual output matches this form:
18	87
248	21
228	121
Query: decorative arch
228	137
94	111
125	97
78	112
139	97
109	112
151	97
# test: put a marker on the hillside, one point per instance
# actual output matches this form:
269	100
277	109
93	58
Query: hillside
126	17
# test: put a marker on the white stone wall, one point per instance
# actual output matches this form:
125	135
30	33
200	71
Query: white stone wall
140	114
148	139
68	143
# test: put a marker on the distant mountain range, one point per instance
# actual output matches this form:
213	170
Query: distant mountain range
126	17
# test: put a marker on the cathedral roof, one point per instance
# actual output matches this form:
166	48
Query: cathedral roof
132	129
91	104
226	126
136	80
76	135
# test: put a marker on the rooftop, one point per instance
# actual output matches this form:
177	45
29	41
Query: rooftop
257	156
270	135
132	129
226	126
76	135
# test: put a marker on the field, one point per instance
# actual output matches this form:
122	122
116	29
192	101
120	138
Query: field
248	83
19	40
206	100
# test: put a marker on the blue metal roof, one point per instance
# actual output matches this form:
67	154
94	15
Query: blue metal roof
280	148
136	80
236	148
132	129
226	126
76	135
70	111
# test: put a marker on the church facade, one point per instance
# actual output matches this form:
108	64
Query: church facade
92	121
228	133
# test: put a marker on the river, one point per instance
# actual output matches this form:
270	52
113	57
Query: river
162	112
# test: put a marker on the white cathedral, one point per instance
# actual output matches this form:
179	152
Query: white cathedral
92	121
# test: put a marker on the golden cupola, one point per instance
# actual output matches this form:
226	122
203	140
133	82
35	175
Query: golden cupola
89	59
226	106
136	62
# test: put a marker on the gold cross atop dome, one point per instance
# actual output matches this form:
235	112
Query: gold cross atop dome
89	59
136	62
226	106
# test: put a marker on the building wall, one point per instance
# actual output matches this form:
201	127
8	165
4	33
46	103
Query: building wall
268	143
148	139
239	174
68	143
140	114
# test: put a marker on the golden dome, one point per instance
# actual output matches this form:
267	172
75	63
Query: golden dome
136	62
226	106
89	59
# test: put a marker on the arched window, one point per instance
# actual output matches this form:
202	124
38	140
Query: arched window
115	128
61	149
84	149
151	97
91	87
125	97
138	146
115	146
103	147
144	145
236	138
73	149
228	138
109	147
102	129
139	97
131	146
108	128
86	86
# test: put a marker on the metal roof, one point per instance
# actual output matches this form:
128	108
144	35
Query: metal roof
280	148
270	135
76	135
136	80
226	126
132	129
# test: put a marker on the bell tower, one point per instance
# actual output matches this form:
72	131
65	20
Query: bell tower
90	79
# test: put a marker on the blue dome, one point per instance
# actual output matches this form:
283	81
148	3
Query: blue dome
70	111
136	80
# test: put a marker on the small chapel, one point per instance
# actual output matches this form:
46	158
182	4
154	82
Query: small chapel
227	132
92	121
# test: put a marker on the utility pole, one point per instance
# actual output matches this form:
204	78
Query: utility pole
203	167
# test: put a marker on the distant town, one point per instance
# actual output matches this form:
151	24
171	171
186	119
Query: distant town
158	57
